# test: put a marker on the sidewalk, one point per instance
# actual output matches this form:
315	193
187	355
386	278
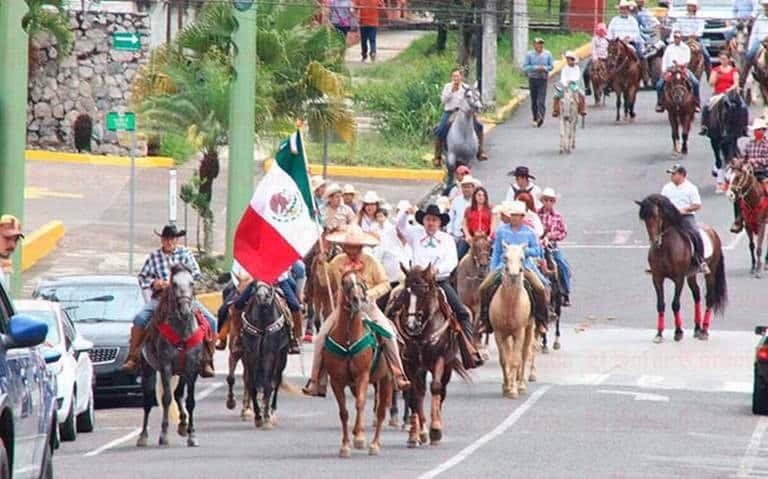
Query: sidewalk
389	44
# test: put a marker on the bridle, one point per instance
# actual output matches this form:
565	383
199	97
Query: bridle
746	183
250	328
620	52
355	293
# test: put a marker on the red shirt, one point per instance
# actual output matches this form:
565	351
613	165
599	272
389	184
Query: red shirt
369	12
478	220
725	80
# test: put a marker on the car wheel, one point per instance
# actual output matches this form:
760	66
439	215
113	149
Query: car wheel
46	468
86	419
759	395
67	429
5	466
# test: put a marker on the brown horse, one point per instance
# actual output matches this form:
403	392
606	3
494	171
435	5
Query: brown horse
751	198
760	72
677	98
425	322
598	73
624	73
697	64
351	357
318	291
472	270
737	49
670	255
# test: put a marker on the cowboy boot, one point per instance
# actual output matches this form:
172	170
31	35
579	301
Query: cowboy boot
481	156
293	345
437	161
396	365
206	368
137	339
555	107
221	341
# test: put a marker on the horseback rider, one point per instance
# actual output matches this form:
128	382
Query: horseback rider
647	22
724	78
436	249
318	185
757	155
334	214
456	212
599	53
522	184
756	37
155	277
451	98
626	28
692	28
350	196
371	272
570	77
685	196
555	230
513	231
676	55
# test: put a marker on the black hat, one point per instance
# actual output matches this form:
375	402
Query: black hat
170	231
521	171
432	210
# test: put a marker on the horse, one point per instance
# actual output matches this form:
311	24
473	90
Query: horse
174	347
737	48
752	199
624	73
425	323
680	104
235	356
669	256
471	271
461	142
554	275
513	325
726	125
697	64
598	74
569	115
352	359
318	291
264	342
760	70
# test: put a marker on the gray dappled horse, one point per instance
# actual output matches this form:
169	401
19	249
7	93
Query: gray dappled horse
461	142
175	316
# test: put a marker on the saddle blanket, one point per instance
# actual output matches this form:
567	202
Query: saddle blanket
707	242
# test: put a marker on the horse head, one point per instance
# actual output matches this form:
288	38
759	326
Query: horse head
514	261
264	295
421	285
743	179
471	102
481	252
659	214
353	292
181	289
618	53
676	81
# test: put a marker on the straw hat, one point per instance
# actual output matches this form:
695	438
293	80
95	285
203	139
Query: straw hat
758	124
353	235
316	182
694	3
349	190
624	4
510	208
331	190
549	193
371	198
469	179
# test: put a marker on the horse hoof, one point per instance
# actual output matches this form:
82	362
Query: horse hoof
658	339
435	436
267	426
393	423
358	443
373	450
556	346
246	414
522	388
182	430
231	403
423	437
509	394
545	350
274	419
412	443
678	335
192	442
163	441
259	423
704	335
532	378
345	451
142	441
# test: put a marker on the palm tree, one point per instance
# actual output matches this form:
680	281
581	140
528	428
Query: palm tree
48	16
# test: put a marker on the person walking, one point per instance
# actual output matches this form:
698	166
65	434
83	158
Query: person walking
537	65
342	16
368	13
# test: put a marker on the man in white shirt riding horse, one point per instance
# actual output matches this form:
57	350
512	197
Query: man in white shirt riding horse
570	77
677	54
451	98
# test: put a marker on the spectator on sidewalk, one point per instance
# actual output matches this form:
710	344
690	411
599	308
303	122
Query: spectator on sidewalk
342	15
537	65
368	13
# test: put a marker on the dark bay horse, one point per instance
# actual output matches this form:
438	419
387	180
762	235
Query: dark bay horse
174	347
624	73
264	341
424	321
760	70
352	359
677	98
726	124
750	196
670	255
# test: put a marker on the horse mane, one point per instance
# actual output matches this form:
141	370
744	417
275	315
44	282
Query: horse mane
167	301
668	212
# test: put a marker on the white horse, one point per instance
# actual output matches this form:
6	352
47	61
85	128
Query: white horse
569	114
461	143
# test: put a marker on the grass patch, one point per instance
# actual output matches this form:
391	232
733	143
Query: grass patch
372	150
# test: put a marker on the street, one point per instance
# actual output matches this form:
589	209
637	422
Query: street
610	403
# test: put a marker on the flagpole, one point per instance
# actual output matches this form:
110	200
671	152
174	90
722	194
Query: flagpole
299	125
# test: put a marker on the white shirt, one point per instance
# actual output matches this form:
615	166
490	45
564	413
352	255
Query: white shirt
452	99
682	196
621	27
691	25
458	207
392	252
570	74
675	53
759	30
438	250
369	225
532	189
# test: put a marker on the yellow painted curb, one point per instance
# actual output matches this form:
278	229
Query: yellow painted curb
101	160
372	172
41	243
211	301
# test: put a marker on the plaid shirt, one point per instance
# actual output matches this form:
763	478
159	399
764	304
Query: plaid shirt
158	265
554	225
757	152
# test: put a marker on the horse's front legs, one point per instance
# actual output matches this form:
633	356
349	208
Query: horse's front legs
191	438
231	400
165	378
658	285
759	250
358	433
148	396
178	396
676	309
341	401
383	398
618	104
436	389
752	270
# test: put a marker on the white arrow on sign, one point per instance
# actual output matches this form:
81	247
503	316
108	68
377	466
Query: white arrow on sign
134	38
637	395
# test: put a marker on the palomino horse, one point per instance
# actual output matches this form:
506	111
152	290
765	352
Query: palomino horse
461	143
752	199
513	325
670	256
697	64
677	98
727	122
472	270
569	115
425	322
598	74
352	359
624	74
174	347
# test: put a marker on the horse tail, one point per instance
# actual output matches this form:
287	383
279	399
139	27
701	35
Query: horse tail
459	369
719	295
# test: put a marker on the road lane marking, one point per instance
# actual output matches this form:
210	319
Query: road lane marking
120	440
637	395
497	431
747	463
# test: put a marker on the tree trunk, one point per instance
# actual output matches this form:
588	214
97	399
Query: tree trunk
326	134
209	171
208	231
442	37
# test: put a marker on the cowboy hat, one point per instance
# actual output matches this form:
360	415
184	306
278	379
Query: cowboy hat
331	190
371	198
349	190
432	210
510	208
570	54
538	40
521	171
624	4
469	179
10	226
759	123
404	205
170	231
316	182
353	235
549	193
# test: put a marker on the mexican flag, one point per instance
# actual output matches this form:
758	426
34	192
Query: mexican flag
277	227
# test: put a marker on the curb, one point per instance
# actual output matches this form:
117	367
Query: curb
211	301
41	243
372	172
100	160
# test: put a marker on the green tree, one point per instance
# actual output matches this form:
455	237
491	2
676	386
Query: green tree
47	17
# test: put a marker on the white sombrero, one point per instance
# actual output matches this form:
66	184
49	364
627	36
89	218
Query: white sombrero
332	189
316	182
509	208
469	179
349	190
353	235
371	198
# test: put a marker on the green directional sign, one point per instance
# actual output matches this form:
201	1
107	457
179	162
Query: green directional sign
118	122
127	41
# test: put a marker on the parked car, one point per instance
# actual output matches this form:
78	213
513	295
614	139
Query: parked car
27	397
717	13
760	386
73	370
102	307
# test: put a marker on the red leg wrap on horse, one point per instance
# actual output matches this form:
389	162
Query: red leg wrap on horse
660	322
697	314
707	318
678	320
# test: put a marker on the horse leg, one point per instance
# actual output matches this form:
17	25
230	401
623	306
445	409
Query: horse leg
338	391
411	397
422	394
178	396
436	391
148	379
165	378
751	236
759	250
693	285
618	103
393	410
383	398
658	285
556	346
530	334
190	403
231	402
247	412
675	138
676	309
515	344
501	345
630	101
686	129
358	440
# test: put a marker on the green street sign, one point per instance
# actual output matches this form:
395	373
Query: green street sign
126	41
118	122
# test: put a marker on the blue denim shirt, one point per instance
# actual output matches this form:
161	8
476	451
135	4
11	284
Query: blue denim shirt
534	60
522	236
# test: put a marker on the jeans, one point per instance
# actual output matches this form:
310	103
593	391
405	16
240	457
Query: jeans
342	31
288	287
458	308
368	38
462	247
442	128
565	270
694	85
752	51
145	314
538	88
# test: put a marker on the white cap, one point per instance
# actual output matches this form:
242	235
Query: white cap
570	54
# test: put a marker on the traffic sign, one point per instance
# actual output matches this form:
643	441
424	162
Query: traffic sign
127	41
118	122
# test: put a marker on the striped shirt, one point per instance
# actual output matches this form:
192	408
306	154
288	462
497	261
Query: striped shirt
158	266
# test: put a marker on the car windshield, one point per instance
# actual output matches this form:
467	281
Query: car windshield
95	303
48	317
705	4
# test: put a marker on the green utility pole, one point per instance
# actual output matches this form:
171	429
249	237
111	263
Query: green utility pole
13	118
242	120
